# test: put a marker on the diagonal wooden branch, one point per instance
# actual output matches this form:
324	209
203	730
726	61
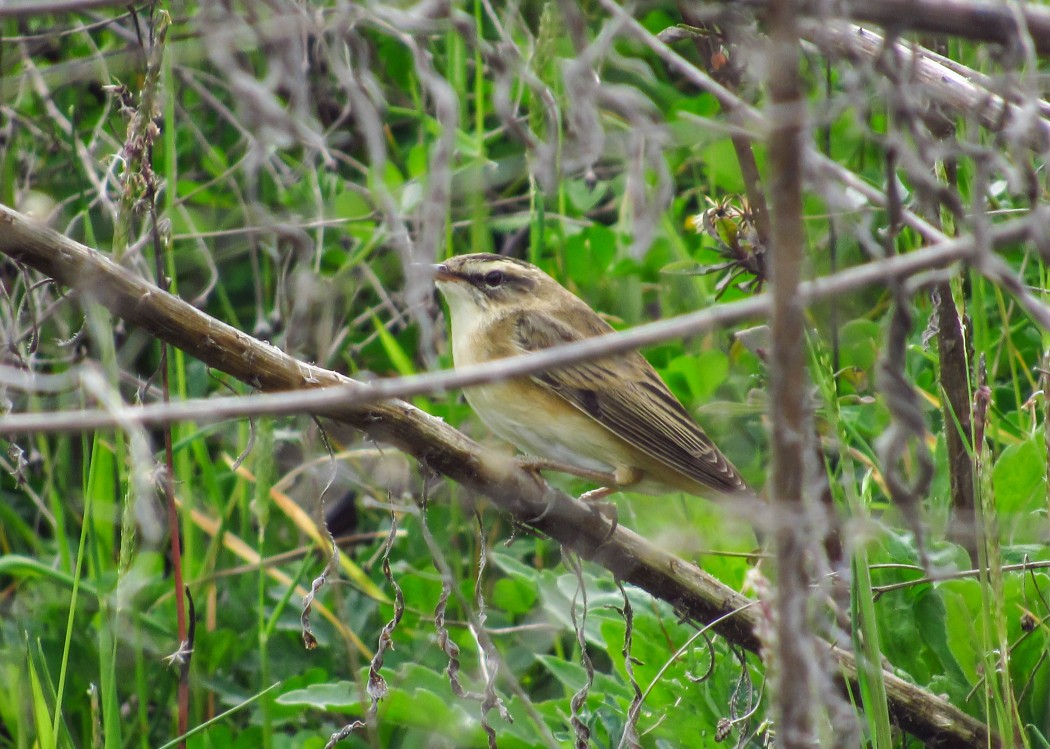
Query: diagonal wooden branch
443	449
1005	24
955	93
981	21
41	7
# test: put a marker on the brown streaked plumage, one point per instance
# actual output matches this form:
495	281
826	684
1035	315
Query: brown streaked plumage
613	415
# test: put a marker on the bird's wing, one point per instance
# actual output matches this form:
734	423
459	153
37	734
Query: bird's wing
624	394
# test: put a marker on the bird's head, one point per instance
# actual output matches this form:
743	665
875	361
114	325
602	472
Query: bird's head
485	284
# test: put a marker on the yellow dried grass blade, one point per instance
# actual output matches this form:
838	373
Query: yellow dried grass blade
306	524
239	548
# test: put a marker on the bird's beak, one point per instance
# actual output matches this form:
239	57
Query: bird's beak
442	273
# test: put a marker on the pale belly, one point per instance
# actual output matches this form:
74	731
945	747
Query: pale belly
544	426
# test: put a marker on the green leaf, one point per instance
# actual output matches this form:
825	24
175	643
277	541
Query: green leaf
515	596
588	253
858	344
720	161
418	161
582	197
340	696
398	358
572	675
350	204
932	620
41	711
1019	478
962	635
703	373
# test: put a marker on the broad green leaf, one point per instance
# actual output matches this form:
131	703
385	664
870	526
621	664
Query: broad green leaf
340	696
351	205
1019	478
582	197
859	344
704	372
933	623
515	596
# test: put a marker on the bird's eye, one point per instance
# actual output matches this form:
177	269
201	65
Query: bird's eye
494	278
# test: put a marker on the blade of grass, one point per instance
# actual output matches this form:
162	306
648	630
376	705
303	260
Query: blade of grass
865	630
1000	702
74	597
102	485
400	360
47	733
220	717
261	509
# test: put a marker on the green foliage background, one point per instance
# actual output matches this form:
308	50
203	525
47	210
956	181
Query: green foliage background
277	211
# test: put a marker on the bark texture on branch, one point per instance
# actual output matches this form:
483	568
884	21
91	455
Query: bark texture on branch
27	8
1010	25
434	443
796	697
982	21
951	93
958	423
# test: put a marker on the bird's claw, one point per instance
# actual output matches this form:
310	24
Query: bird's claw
605	510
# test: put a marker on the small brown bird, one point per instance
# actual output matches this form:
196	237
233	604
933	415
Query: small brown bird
612	415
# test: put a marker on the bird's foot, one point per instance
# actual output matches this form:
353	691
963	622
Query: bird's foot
595	496
537	465
595	499
609	483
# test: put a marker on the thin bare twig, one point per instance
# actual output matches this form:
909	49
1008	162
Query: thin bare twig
40	7
796	667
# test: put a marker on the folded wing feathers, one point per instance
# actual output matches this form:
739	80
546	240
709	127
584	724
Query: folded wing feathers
653	420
